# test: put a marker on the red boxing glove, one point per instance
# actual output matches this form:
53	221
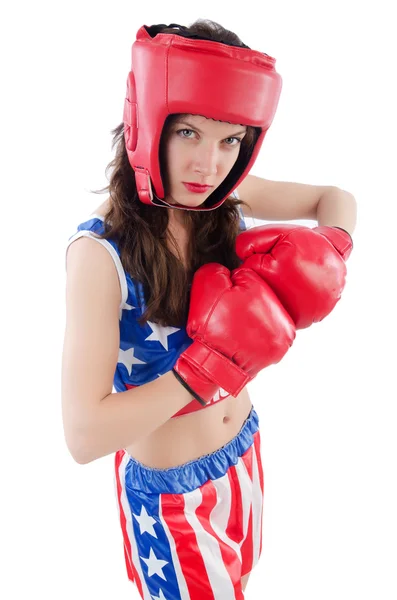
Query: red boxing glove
304	267
238	327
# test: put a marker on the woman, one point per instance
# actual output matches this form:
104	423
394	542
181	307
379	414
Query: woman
180	326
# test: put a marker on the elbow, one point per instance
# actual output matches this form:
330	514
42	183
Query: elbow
82	455
79	452
78	436
79	446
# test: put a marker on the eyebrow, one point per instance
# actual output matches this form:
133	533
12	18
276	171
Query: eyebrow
199	130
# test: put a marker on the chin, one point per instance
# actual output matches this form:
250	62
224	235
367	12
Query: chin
192	203
184	200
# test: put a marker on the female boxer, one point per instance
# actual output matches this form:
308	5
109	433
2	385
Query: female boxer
164	305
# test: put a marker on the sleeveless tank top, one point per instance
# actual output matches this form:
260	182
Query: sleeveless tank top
149	351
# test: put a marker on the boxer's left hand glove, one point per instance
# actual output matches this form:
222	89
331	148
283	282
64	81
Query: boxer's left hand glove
304	267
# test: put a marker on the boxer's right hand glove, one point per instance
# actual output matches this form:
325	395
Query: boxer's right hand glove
305	267
238	327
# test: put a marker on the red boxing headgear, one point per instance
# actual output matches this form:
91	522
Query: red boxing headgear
174	74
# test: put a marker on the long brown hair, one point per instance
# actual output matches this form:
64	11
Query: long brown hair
141	230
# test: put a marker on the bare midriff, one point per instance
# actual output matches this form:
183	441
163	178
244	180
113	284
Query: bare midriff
190	436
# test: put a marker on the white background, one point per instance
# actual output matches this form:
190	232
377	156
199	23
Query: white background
327	411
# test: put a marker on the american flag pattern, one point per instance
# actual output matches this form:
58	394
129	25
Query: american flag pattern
149	351
191	532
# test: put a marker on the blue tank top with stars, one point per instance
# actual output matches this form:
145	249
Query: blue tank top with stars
147	351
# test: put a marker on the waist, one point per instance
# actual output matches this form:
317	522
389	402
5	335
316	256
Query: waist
192	435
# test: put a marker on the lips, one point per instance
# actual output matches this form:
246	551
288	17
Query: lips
194	187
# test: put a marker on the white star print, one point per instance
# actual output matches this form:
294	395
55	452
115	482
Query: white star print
127	358
125	307
160	334
161	597
155	565
146	522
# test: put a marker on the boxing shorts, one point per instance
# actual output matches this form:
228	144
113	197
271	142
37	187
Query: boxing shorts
192	531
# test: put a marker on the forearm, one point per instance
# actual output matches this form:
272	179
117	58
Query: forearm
122	418
337	208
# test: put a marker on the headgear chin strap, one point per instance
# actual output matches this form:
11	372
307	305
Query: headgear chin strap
174	74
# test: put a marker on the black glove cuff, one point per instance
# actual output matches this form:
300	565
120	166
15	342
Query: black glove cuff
185	385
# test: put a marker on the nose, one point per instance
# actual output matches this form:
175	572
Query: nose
206	160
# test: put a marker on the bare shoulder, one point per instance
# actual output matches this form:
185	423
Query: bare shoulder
279	200
90	265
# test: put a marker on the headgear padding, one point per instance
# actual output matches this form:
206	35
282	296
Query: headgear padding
172	74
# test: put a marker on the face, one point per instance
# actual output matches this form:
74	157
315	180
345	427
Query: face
199	150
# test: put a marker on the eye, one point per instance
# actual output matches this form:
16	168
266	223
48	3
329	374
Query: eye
180	131
234	138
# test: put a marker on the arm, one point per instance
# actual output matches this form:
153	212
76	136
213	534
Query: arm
337	208
286	201
123	417
96	421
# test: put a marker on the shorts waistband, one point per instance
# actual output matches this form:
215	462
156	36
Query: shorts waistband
193	474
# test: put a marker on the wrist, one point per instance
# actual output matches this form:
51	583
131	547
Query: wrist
188	388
